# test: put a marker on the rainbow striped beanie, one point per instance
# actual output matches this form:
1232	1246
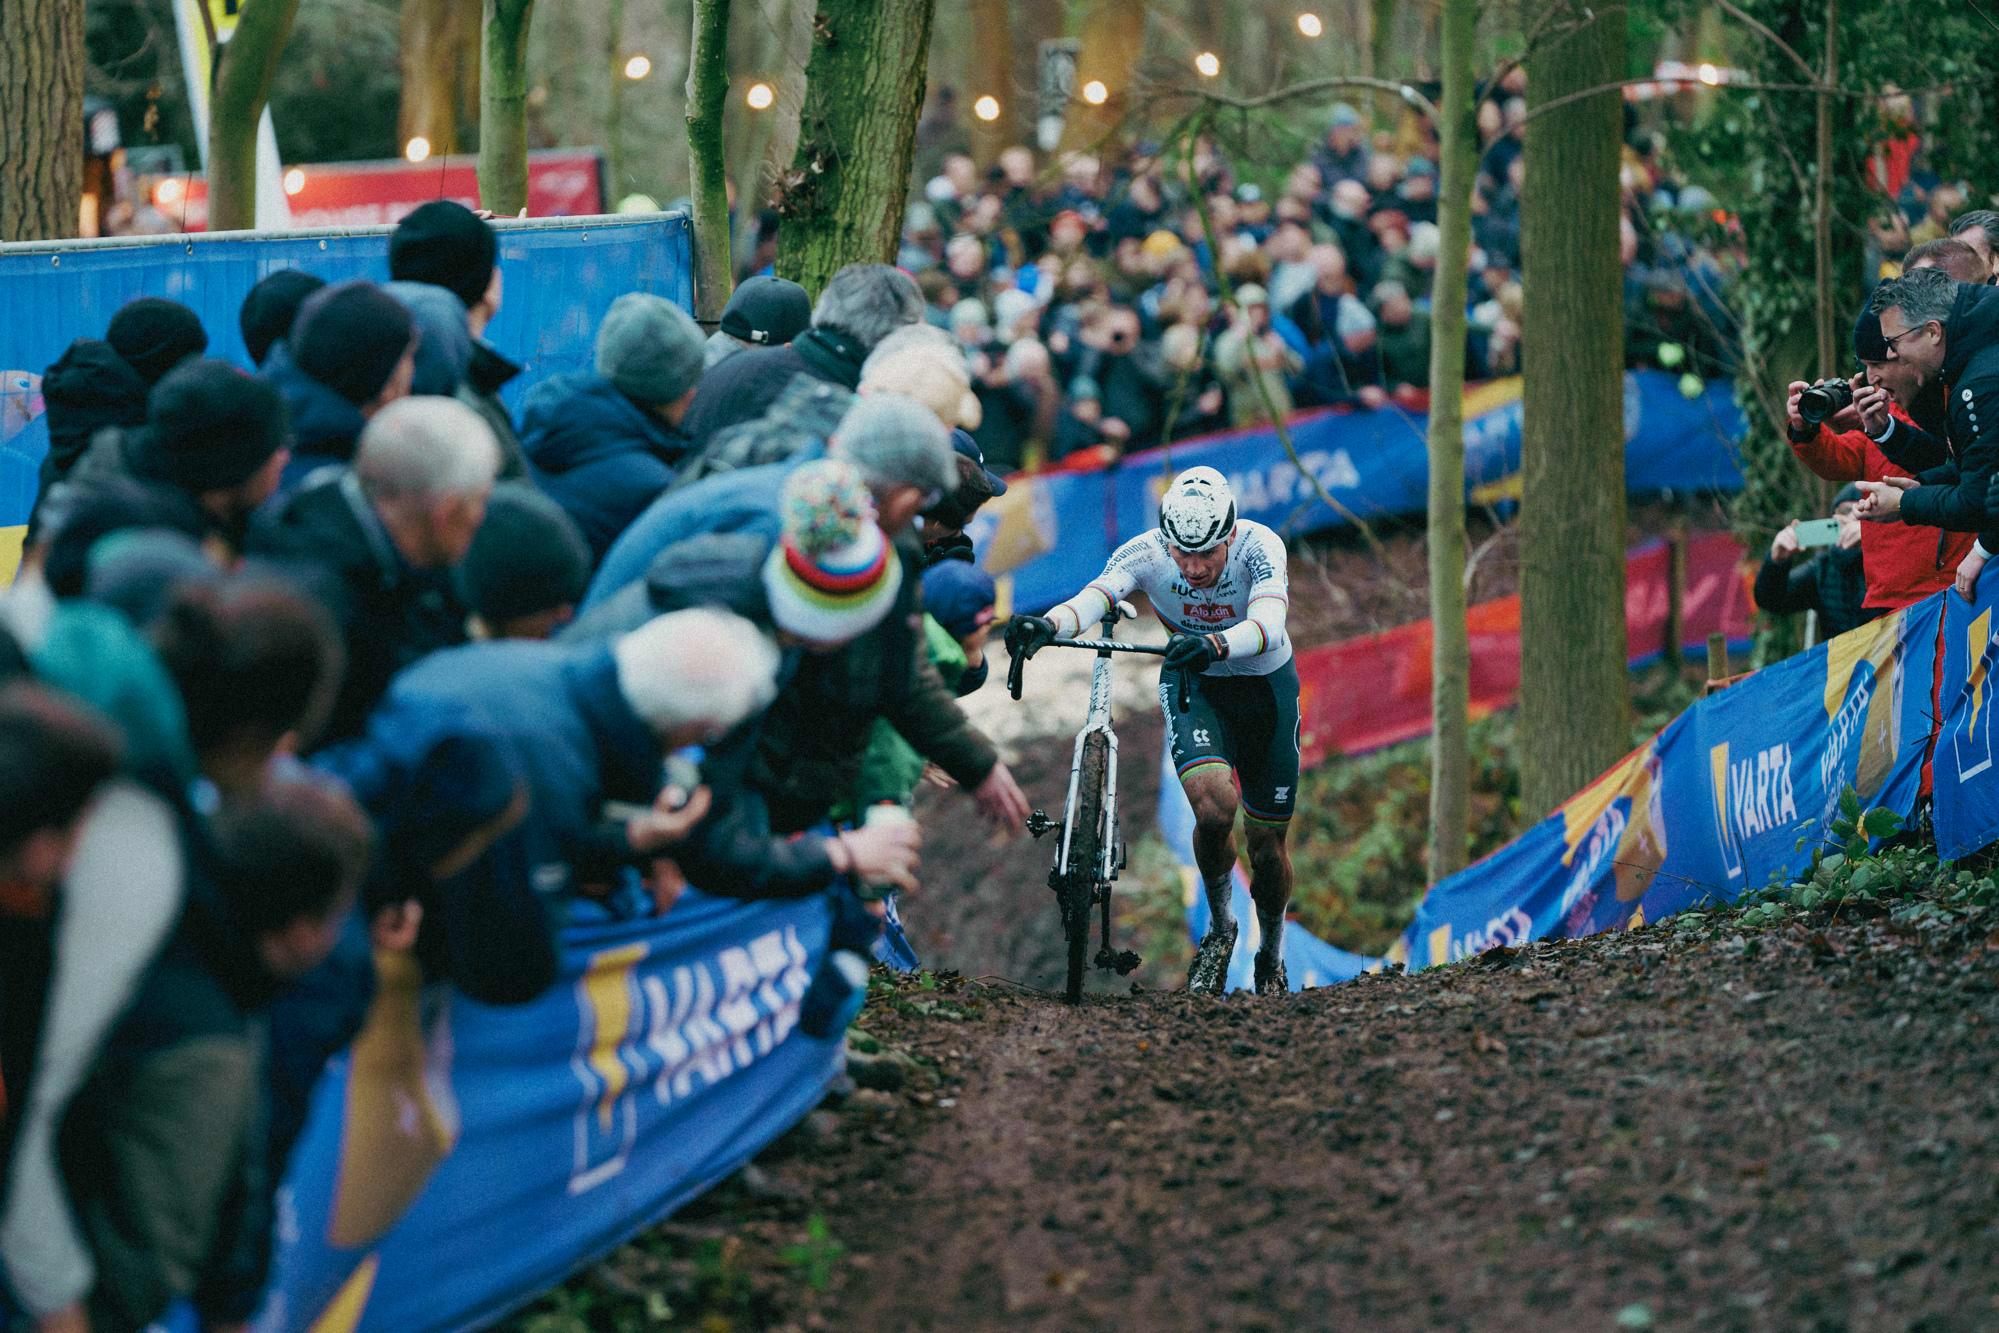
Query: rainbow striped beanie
833	575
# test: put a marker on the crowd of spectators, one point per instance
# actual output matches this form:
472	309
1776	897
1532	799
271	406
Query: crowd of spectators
329	670
1088	291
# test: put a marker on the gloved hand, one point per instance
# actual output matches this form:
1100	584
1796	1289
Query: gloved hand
1028	635
1193	652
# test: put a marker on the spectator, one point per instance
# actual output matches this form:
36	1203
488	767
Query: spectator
1404	335
380	540
1830	582
604	444
862	304
443	348
352	352
528	567
447	245
89	388
154	335
1116	386
1343	156
1978	229
271	308
1338	336
763	311
1945	202
1248	352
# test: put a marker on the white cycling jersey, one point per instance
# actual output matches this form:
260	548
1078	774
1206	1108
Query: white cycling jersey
1246	606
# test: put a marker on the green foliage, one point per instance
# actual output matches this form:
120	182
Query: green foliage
338	86
1902	877
816	1256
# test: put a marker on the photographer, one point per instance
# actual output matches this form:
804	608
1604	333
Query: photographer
1831	582
1938	331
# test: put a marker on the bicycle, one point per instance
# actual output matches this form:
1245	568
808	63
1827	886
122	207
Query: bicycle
1090	855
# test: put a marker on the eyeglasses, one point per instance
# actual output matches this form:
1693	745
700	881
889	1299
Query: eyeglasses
1898	337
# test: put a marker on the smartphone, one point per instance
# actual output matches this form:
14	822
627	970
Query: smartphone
1817	532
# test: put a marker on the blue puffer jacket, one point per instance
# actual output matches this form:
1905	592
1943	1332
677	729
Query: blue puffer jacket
597	453
325	426
743	501
576	742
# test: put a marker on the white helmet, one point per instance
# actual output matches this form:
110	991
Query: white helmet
1197	512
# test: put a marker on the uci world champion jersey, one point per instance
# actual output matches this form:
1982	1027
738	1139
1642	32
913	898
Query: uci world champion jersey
1246	606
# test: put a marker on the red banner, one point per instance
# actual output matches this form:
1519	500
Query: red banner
1364	693
564	182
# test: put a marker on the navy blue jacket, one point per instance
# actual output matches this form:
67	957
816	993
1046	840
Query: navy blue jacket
742	501
597	453
325	427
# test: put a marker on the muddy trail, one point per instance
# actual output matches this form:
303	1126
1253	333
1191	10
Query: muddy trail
1694	1125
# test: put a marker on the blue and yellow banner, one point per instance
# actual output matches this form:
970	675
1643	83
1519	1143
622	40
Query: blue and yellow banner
460	1158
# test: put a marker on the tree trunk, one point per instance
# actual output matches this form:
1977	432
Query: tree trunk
1113	41
243	74
1450	647
503	107
1828	310
708	168
440	40
863	91
1574	701
1381	60
614	102
989	70
41	121
771	40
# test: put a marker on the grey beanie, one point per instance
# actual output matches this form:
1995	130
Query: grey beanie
897	441
650	349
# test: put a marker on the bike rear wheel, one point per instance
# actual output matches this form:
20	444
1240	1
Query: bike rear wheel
1086	845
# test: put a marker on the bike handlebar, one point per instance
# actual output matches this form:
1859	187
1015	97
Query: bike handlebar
1015	671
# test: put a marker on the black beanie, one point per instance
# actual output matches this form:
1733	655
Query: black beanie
529	557
767	311
208	427
154	335
350	338
447	245
1868	344
271	307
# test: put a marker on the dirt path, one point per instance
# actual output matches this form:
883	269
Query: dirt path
1673	1128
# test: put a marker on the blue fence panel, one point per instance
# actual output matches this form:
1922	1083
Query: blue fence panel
559	277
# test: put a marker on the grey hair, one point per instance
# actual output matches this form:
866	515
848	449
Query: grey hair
702	667
909	336
896	441
426	447
1387	288
868	302
1922	295
1978	219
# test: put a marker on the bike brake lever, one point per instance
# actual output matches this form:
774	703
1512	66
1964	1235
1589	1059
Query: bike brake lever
1013	675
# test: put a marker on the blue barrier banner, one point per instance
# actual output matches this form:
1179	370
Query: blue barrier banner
1967	779
459	1159
1051	533
559	278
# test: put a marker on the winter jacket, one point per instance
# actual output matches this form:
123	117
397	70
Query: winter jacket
733	852
1830	583
486	373
745	385
745	501
88	388
1234	363
575	741
1405	351
597	453
389	614
325	426
803	418
119	900
891	767
1953	496
164	1148
814	735
1903	563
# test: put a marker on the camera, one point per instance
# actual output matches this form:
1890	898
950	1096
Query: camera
1823	400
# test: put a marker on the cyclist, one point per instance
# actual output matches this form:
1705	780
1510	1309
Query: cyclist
1218	583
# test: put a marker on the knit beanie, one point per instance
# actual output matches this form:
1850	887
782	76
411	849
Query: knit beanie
444	345
650	349
767	311
271	308
1868	344
833	575
959	596
154	335
528	557
209	426
350	338
447	245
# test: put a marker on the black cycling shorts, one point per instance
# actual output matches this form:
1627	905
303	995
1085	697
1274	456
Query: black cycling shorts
1248	723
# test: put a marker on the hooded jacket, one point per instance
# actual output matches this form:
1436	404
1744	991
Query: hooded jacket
485	375
598	454
89	388
389	613
325	426
745	385
1953	496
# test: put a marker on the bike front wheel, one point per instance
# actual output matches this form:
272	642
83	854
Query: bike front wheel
1086	846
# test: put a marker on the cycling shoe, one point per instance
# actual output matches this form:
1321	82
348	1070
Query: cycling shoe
1209	972
1270	977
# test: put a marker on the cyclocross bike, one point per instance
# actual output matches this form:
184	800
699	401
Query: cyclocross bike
1090	854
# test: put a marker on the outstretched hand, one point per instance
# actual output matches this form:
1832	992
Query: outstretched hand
1881	501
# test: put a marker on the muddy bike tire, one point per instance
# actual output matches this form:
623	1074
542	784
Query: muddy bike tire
1079	877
